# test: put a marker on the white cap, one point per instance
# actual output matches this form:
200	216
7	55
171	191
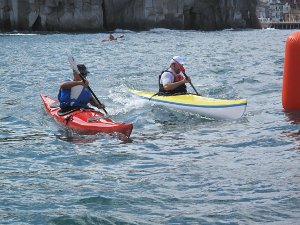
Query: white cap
178	59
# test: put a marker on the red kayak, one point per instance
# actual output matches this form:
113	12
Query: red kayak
105	40
86	121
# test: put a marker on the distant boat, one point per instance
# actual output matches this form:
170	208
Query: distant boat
112	38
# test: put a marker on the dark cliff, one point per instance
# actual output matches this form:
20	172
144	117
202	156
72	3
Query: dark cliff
104	15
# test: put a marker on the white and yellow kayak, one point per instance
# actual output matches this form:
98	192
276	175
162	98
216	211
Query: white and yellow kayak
207	107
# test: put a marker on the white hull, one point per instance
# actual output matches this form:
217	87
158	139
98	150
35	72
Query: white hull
222	113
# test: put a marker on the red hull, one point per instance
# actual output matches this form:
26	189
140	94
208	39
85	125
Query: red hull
87	121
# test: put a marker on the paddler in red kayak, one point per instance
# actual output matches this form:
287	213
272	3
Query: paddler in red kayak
75	93
112	37
171	81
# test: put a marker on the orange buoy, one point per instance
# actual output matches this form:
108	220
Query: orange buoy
291	73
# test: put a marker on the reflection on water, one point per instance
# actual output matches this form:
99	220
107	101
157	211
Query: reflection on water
74	137
293	136
293	116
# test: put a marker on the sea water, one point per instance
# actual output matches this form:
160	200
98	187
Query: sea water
176	168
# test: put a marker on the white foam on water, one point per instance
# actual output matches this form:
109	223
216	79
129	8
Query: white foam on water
124	100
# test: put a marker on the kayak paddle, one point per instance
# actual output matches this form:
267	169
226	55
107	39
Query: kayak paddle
75	68
186	77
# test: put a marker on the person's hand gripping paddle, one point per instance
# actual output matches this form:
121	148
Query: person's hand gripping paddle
186	77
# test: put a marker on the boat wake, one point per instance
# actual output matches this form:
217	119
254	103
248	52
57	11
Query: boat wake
125	102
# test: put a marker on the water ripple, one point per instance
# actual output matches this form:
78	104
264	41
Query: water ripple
176	168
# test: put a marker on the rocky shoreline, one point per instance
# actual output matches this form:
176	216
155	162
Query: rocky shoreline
108	15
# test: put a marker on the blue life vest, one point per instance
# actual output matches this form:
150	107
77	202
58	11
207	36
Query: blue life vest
66	100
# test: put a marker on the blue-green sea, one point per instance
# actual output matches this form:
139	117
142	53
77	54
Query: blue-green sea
176	168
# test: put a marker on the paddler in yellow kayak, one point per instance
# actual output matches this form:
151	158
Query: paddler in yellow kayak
171	81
